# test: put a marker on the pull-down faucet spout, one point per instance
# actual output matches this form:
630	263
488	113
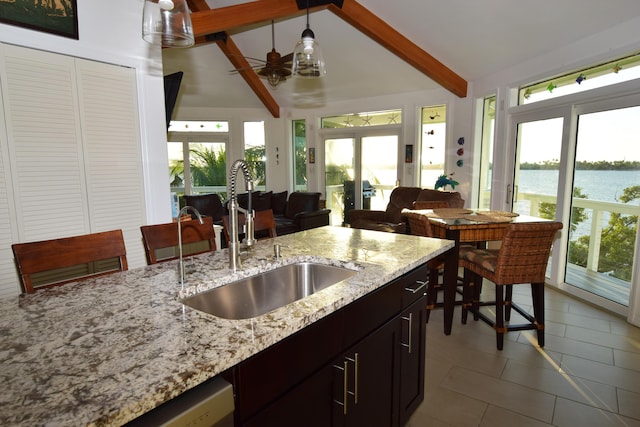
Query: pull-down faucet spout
234	244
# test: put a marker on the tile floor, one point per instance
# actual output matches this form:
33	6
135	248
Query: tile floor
588	373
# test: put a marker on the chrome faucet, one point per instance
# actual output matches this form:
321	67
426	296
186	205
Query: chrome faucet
234	244
183	211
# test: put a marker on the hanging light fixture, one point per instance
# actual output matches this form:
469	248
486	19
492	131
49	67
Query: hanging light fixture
307	55
167	22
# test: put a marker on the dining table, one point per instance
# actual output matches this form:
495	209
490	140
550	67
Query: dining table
475	226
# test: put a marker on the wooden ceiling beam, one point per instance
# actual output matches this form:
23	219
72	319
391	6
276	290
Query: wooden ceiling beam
234	55
232	17
240	15
377	29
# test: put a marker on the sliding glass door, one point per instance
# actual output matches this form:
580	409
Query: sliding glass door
360	172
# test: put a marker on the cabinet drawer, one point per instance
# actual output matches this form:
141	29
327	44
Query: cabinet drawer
415	285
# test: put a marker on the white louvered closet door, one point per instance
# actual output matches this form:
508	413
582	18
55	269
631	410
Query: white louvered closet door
110	135
73	150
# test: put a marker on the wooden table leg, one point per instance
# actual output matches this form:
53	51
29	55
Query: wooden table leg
450	280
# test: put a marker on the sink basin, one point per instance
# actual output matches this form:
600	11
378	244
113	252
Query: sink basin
259	294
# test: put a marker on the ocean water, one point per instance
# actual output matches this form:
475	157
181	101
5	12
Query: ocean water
606	186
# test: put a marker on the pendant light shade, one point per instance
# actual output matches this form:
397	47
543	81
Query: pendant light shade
307	56
167	22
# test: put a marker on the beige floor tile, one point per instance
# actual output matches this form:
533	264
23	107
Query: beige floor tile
620	342
627	360
629	403
500	417
559	383
572	414
505	394
604	373
591	361
582	349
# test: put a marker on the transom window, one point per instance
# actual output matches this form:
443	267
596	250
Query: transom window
369	118
612	72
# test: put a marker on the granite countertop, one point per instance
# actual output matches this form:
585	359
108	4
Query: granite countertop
107	350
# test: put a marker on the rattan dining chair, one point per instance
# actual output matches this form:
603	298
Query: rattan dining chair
522	258
264	224
161	240
48	263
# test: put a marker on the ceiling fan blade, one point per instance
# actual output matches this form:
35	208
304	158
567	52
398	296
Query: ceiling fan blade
287	58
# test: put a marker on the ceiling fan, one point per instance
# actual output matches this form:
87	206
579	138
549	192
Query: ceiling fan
276	68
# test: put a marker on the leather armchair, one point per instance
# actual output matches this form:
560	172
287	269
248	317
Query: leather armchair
391	219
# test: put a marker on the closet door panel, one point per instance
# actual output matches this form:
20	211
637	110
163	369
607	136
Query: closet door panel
44	144
110	134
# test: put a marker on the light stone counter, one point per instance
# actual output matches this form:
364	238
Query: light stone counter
105	351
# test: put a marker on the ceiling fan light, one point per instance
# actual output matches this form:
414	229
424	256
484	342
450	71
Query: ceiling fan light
167	22
274	77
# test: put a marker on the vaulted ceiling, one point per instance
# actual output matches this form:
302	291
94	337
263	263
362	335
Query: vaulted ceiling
374	47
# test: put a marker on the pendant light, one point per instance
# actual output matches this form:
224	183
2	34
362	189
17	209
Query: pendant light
167	22
307	56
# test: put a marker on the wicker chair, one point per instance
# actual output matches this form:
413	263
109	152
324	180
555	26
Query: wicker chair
522	258
419	225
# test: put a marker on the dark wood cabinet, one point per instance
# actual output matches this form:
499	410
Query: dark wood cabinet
360	366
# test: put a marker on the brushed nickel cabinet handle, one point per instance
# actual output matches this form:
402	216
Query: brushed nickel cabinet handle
356	380
345	385
415	290
410	320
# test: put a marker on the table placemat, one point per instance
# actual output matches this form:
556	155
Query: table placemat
450	213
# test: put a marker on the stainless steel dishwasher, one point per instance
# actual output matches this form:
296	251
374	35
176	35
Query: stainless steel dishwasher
208	405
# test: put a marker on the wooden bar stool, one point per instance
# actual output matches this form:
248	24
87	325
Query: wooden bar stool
522	258
86	252
160	237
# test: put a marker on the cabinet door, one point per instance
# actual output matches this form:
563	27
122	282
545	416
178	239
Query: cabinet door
372	380
309	404
412	356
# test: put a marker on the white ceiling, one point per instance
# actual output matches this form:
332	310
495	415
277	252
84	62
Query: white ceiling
472	38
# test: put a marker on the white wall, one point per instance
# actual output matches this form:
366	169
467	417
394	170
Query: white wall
110	31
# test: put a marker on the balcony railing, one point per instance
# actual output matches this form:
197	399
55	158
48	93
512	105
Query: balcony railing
599	211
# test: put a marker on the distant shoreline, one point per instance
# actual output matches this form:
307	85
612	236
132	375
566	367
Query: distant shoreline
620	165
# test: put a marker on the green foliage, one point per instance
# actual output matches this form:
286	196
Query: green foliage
208	166
578	215
256	160
617	242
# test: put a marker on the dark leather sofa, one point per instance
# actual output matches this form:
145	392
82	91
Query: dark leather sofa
391	219
293	212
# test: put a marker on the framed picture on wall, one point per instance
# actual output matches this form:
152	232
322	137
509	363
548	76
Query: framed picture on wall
58	17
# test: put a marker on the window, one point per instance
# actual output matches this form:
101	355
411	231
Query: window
370	118
433	125
255	153
299	155
203	145
612	72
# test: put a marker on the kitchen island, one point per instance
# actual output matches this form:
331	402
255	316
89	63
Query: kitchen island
110	349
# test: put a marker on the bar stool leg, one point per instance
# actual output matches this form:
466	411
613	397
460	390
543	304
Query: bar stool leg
537	296
507	302
499	325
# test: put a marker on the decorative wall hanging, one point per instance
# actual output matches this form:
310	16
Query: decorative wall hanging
312	155
59	17
408	153
461	140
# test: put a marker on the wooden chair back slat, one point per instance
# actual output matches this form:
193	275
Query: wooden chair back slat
46	255
160	236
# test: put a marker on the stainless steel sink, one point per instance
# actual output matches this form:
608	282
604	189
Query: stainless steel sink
259	294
